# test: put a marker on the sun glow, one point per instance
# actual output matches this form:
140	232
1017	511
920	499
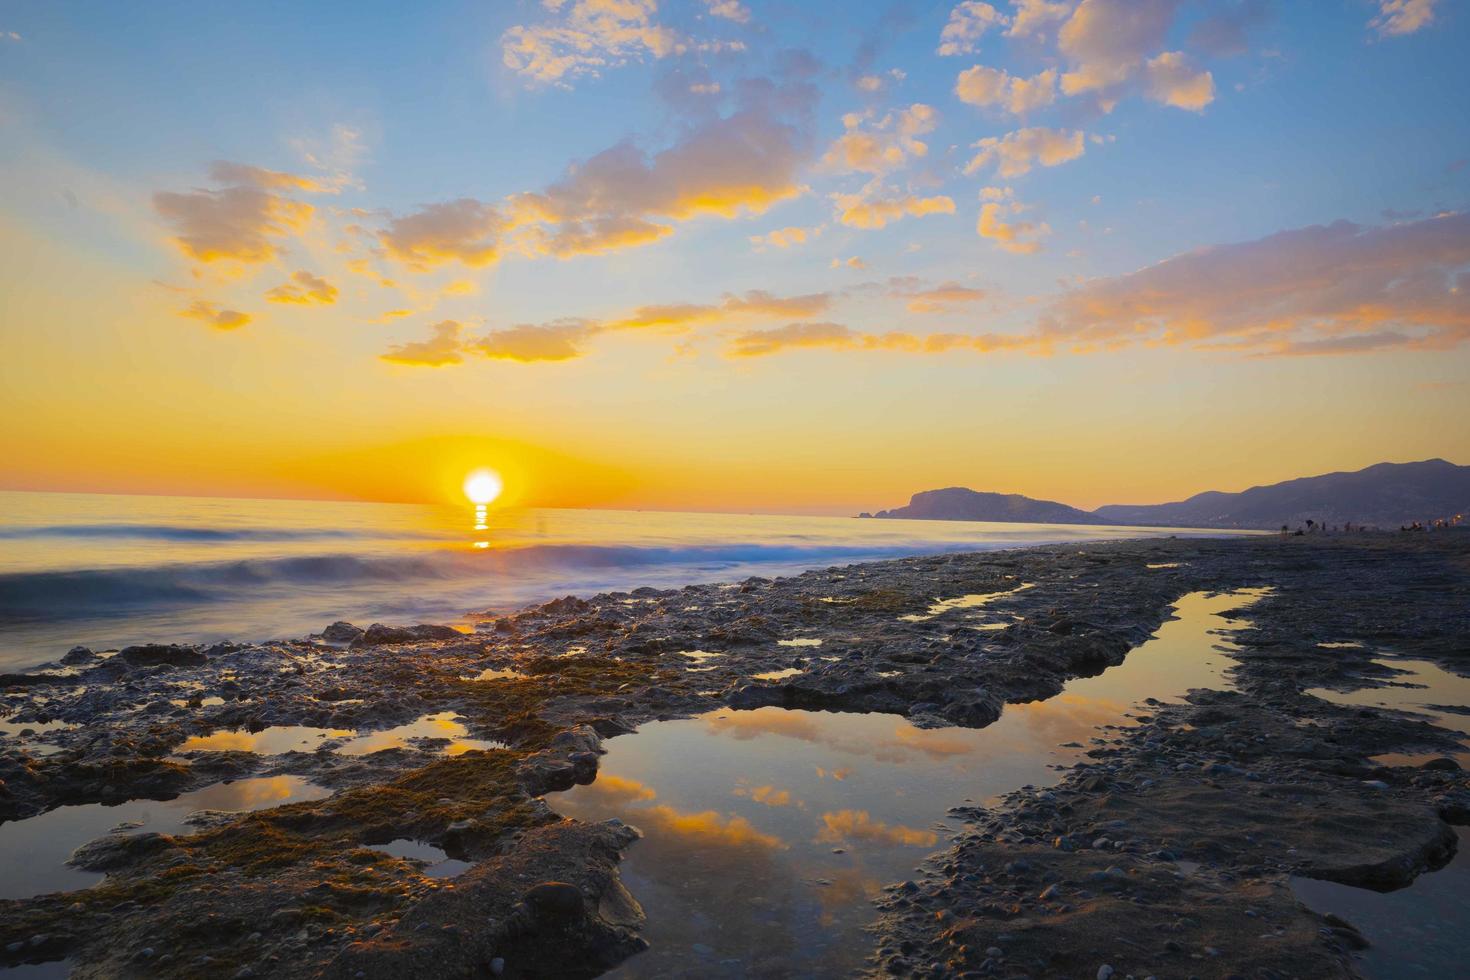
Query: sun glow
482	486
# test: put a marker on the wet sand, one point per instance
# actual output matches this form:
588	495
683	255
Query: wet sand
1167	848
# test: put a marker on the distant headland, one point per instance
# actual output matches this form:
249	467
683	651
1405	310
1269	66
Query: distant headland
1384	495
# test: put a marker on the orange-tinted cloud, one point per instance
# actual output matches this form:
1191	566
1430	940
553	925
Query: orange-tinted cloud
443	347
937	299
850	825
836	336
968	22
620	198
1322	289
1021	237
1017	152
1396	17
463	230
243	221
785	237
529	342
876	146
984	86
876	207
709	828
207	312
586	37
1173	81
304	288
1107	40
767	795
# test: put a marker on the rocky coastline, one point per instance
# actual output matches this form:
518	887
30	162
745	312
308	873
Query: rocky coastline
1166	854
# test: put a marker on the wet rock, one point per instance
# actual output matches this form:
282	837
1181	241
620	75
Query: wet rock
341	632
78	655
380	635
118	851
154	654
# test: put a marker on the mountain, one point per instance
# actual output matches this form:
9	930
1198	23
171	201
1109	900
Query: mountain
960	504
1388	495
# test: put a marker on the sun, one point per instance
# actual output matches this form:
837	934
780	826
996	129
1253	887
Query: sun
482	486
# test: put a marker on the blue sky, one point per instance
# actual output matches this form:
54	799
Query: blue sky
463	210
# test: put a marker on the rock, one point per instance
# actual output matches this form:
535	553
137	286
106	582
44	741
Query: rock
554	901
78	655
380	635
341	632
118	851
1104	972
1441	764
497	966
153	654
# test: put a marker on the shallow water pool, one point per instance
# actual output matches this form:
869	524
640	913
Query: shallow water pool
768	832
33	852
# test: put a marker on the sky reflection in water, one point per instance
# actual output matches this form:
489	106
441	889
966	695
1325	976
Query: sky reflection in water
767	831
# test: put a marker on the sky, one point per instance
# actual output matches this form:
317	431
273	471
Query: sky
727	254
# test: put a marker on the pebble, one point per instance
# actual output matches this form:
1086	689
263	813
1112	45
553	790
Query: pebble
497	965
1104	972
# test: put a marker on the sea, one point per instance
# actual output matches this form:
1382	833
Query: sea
105	571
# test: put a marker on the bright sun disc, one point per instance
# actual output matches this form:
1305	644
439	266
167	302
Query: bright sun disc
482	486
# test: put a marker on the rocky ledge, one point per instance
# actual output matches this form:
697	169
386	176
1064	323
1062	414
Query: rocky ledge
1166	854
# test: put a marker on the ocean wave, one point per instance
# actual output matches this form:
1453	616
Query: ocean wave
92	592
182	532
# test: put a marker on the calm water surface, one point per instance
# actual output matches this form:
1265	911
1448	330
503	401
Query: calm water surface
768	832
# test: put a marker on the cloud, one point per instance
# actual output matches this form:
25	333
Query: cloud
729	9
442	348
1017	152
1020	237
875	206
561	340
463	230
1173	81
708	828
567	338
851	262
841	825
1106	43
625	197
1321	289
837	336
304	288
593	35
242	221
758	302
936	299
740	164
768	795
1032	17
217	318
785	237
968	22
1398	17
995	87
587	36
886	145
